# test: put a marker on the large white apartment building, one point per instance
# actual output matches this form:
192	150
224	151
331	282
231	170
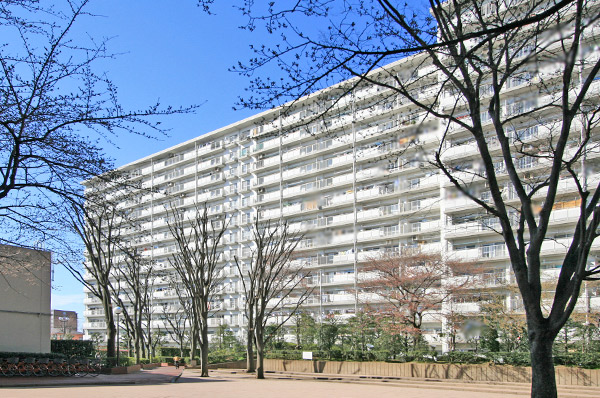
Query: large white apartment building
357	182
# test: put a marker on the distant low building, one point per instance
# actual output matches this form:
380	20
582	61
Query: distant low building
25	284
63	325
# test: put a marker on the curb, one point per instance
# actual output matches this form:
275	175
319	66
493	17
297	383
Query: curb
46	385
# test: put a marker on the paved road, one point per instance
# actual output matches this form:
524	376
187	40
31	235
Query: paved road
236	385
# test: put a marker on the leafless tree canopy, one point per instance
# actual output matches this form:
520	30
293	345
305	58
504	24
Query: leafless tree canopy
132	288
197	238
101	224
274	288
57	111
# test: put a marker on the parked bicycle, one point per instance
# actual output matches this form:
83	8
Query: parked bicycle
32	366
26	366
78	367
8	366
41	367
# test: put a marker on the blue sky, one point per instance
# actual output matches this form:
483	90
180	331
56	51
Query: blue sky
173	52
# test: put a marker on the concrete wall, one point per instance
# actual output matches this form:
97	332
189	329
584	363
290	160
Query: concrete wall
25	278
483	373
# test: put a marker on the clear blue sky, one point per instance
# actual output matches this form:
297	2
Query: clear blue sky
172	51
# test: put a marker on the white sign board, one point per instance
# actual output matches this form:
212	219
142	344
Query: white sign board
307	355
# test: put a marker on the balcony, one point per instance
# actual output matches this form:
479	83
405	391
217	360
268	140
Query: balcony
466	307
265	145
93	313
335	279
214	178
343	298
214	322
266	163
266	180
94	325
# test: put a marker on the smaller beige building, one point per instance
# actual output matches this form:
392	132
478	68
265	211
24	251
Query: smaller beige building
25	283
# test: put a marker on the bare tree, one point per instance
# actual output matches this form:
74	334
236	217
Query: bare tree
101	225
56	107
274	288
178	319
412	285
196	261
132	288
528	147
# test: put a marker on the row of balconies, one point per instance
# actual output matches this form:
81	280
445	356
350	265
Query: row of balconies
558	216
220	193
404	208
485	251
215	162
498	251
565	186
332	279
340	141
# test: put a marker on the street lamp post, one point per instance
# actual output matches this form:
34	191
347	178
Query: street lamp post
64	319
118	312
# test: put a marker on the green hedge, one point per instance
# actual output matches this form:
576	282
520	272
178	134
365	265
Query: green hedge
583	360
174	351
220	356
146	361
337	354
50	355
73	348
129	361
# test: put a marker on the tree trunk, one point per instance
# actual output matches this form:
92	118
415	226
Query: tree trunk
111	339
260	350
250	365
194	340
137	348
543	378
204	351
110	323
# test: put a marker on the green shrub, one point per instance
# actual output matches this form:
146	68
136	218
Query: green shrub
220	356
174	351
509	358
50	355
515	358
583	360
146	361
73	348
462	357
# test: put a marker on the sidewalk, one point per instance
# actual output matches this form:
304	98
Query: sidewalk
160	375
232	383
483	389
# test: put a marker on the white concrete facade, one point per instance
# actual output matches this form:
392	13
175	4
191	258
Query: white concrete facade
356	182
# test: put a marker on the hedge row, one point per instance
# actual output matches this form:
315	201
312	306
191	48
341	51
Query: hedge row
582	360
51	355
73	348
